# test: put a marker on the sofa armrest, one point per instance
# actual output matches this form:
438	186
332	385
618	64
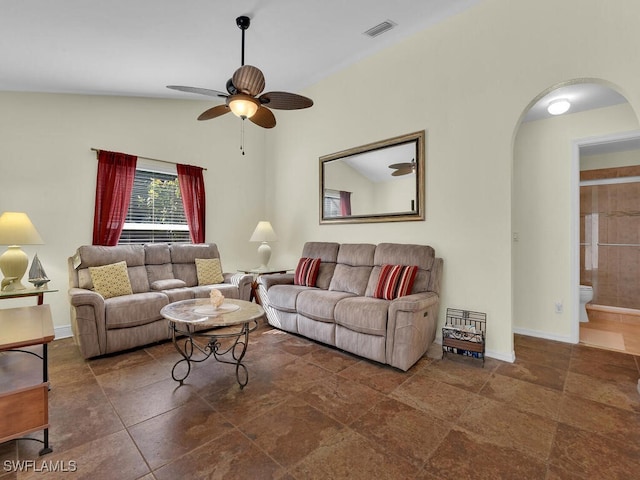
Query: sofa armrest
411	328
268	281
242	281
414	303
88	321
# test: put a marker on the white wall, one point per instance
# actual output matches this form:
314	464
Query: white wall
48	170
628	158
467	82
542	216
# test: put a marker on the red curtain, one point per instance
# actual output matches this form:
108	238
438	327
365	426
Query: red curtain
345	203
116	172
192	190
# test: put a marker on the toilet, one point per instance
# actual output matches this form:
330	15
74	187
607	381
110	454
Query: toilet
586	295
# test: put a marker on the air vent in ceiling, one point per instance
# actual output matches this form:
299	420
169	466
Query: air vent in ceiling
380	28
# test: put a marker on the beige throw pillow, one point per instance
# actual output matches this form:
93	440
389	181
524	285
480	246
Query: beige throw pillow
209	271
111	280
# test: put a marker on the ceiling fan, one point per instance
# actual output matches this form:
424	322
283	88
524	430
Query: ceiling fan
242	89
403	168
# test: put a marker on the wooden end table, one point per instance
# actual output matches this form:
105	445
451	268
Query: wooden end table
24	393
256	272
196	319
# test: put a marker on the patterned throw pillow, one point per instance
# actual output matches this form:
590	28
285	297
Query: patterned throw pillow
111	280
209	271
395	281
307	272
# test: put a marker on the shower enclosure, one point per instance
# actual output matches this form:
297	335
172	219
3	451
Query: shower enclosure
610	235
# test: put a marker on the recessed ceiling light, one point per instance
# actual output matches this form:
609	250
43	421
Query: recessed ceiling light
558	107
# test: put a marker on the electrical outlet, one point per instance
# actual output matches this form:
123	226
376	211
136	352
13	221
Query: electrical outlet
559	307
516	237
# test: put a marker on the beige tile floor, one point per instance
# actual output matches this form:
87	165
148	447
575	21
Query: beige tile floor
611	331
312	412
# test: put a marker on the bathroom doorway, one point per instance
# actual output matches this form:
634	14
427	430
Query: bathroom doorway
609	243
546	201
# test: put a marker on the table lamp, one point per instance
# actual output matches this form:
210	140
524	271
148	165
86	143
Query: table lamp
263	233
16	229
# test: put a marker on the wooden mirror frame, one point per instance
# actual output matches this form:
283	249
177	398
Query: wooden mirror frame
415	214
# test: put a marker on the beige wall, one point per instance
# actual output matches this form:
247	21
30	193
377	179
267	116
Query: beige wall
48	170
610	160
544	207
467	82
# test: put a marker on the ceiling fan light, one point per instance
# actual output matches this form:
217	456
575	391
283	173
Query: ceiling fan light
243	106
558	107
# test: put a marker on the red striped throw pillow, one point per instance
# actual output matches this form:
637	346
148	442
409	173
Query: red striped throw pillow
395	281
307	272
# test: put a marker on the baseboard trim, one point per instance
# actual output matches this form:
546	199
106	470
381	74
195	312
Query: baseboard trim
546	335
63	332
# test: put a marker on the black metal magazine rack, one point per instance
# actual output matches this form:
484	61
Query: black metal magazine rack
464	333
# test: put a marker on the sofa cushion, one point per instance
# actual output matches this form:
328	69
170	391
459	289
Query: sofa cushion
167	284
156	254
327	252
134	310
356	254
183	259
228	290
307	272
98	255
395	281
350	279
284	297
363	314
319	304
111	280
407	254
209	271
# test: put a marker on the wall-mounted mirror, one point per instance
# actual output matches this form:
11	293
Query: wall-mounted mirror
379	182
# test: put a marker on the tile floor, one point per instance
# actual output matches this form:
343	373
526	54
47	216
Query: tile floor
611	331
311	412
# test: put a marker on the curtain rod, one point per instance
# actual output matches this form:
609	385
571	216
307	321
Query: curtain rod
98	150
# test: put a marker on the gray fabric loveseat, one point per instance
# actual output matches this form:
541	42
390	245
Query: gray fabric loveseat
158	274
343	310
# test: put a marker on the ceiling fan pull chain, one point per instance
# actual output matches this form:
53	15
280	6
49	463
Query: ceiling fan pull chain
242	136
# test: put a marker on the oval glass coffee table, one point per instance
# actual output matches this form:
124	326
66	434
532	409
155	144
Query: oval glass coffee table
194	320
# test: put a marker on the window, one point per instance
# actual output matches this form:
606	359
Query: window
156	212
331	203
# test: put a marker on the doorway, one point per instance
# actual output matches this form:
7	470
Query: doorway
608	243
545	205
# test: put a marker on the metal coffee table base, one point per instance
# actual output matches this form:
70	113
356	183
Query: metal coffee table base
193	352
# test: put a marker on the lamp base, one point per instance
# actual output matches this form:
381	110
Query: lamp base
13	264
264	254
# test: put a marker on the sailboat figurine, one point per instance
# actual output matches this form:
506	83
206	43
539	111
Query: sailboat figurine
37	276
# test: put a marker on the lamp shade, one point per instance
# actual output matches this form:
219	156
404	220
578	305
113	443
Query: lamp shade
17	229
263	233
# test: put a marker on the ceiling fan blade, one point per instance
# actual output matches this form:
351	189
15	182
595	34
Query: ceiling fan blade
285	101
248	79
201	91
214	112
402	171
401	165
264	118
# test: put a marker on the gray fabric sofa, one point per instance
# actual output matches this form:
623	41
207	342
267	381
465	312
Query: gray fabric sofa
159	274
342	311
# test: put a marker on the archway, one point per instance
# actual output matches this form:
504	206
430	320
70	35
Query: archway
545	204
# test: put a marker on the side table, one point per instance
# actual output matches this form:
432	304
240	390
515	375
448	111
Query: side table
256	272
27	292
24	390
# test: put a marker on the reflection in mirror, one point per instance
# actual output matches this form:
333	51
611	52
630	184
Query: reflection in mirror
379	182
